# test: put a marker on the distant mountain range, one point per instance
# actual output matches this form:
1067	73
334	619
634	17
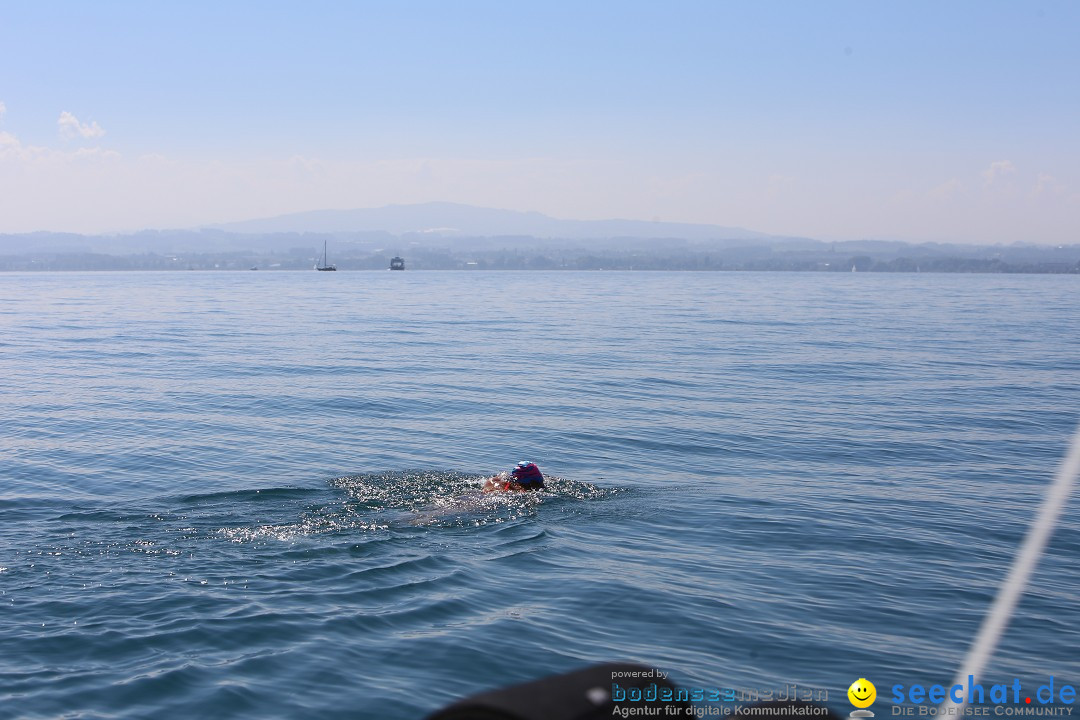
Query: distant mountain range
448	236
452	219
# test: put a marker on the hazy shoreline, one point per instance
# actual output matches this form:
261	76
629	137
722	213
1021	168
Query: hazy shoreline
1002	271
1025	260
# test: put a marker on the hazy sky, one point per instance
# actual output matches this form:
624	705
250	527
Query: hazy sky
953	121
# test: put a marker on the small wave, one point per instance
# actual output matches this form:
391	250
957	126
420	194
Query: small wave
267	494
293	531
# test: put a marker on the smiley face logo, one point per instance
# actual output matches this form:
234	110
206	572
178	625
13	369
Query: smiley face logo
862	693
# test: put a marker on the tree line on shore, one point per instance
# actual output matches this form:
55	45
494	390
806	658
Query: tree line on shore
1037	260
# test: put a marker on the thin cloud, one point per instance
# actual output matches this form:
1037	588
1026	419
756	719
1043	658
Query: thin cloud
1048	185
948	189
71	128
998	170
38	158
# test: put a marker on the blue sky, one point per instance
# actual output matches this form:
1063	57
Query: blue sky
922	121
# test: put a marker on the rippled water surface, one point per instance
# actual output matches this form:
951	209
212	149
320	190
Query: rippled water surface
257	494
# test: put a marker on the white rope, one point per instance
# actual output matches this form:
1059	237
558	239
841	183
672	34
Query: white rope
1027	558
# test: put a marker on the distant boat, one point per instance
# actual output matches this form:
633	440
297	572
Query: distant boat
324	267
397	263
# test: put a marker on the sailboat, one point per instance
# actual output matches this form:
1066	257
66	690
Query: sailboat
324	266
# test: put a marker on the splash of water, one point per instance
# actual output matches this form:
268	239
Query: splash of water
379	502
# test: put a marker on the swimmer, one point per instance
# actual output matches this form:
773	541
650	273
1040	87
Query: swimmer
526	476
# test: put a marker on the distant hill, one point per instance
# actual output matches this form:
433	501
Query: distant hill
452	219
448	236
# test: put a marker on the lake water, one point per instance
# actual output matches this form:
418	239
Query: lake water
256	494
